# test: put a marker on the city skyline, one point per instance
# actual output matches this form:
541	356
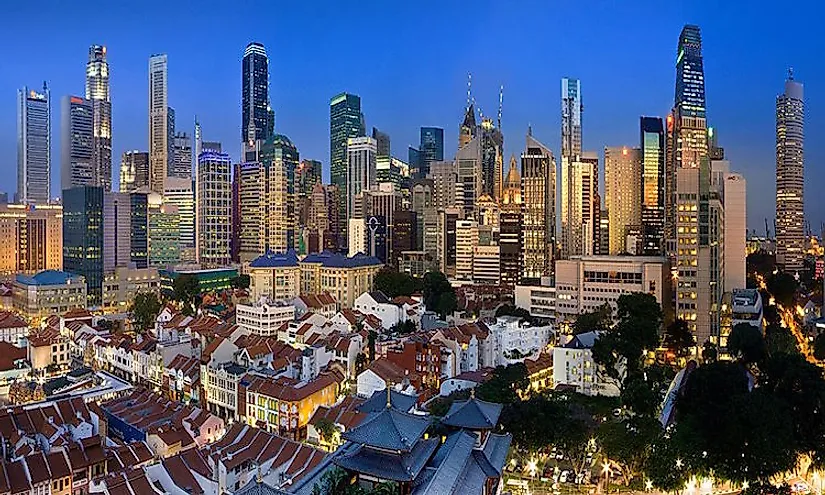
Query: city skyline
741	101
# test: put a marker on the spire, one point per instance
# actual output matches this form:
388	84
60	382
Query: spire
469	90
790	73
389	395
500	103
529	130
259	477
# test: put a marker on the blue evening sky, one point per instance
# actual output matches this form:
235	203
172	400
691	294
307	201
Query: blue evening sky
409	61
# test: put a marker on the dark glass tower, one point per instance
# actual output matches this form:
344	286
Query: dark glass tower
83	238
652	144
690	74
382	140
345	121
255	93
431	148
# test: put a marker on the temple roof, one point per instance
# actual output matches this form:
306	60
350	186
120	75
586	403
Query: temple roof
389	429
473	414
378	402
401	466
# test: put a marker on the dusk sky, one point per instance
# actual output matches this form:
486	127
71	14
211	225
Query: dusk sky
409	62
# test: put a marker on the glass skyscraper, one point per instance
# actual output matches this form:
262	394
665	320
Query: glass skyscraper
652	145
345	121
790	177
77	143
431	148
34	138
255	118
83	238
97	91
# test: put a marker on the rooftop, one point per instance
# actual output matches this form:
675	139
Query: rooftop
271	259
473	414
389	429
328	259
49	277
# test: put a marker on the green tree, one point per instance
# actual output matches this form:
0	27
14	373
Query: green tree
394	284
506	385
745	342
434	285
145	308
665	465
643	393
783	288
326	429
762	263
678	339
597	320
361	363
780	340
241	281
186	290
710	352
627	443
447	303
371	336
336	481
404	327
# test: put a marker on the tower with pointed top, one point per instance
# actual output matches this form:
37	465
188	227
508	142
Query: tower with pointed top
97	92
468	128
256	115
790	176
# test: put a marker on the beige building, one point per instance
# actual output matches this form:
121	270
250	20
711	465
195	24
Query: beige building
623	193
585	283
32	238
466	240
344	278
46	293
274	275
122	285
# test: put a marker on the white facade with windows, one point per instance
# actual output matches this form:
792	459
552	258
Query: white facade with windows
264	317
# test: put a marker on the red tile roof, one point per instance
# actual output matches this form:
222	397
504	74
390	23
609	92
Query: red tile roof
290	390
11	320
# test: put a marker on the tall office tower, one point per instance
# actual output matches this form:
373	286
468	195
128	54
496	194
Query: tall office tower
731	187
790	176
159	138
125	224
240	173
445	184
307	175
571	118
97	91
34	145
180	194
83	238
580	207
570	187
32	238
361	169
336	222
345	122
414	159
431	148
163	232
213	197
623	194
447	219
77	142
715	152
198	145
404	234
422	202
469	177
388	170
267	200
510	227
382	143
591	204
492	148
652	143
134	170
468	129
538	208
317	229
181	156
255	115
691	210
466	240
170	132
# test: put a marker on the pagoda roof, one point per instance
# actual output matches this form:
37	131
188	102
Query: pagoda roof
473	414
396	466
390	430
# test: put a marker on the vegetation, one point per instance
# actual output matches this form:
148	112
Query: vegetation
186	291
326	429
241	282
678	339
783	288
403	327
145	309
594	321
336	481
439	295
394	284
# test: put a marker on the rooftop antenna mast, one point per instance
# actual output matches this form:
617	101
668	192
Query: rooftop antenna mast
500	103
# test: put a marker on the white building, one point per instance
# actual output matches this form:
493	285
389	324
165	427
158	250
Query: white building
514	340
573	366
213	197
466	240
159	144
361	169
264	317
732	187
538	300
357	236
746	307
486	265
12	328
585	283
377	304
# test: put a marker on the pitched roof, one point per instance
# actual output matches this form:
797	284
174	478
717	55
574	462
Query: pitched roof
379	297
11	320
271	259
387	370
378	402
389	429
473	414
291	390
397	466
48	277
328	259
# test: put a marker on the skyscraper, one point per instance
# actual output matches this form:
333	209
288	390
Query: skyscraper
345	122
431	148
790	176
361	170
159	138
382	143
32	238
652	143
97	91
180	194
77	142
492	149
622	191
255	118
571	118
125	224
468	128
571	185
510	227
213	209
34	140
83	238
538	207
469	176
181	156
134	170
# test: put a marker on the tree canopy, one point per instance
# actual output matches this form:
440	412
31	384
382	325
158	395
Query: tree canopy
186	291
783	288
145	308
678	339
394	284
593	321
745	342
439	295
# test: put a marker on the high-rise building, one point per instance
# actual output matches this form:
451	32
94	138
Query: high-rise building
466	240
538	207
213	209
571	118
382	143
181	156
345	122
164	232
468	129
77	142
693	210
387	170
317	228
404	234
592	204
510	231
34	144
361	169
134	170
255	93
180	194
414	159
580	207
267	200
159	137
125	224
447	219
492	149
83	238
732	188
97	91
431	148
622	191
426	217
790	176
652	143
32	238
469	177
307	174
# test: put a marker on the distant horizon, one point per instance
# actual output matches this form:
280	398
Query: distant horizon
409	65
